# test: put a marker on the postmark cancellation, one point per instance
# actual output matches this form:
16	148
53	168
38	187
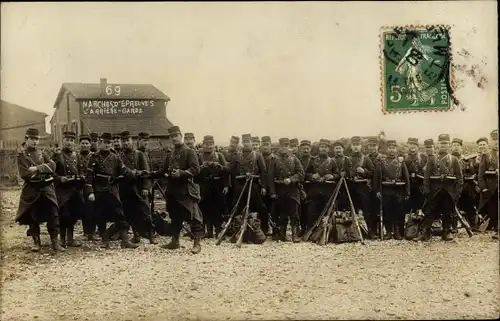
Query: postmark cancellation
416	72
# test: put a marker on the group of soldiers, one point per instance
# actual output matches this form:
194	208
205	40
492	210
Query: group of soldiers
109	180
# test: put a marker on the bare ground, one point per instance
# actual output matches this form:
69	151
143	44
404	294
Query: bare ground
380	280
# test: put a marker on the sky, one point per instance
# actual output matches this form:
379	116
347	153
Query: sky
306	70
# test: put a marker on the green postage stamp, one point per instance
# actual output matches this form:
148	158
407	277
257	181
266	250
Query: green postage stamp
416	69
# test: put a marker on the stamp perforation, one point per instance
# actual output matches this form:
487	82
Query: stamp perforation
451	71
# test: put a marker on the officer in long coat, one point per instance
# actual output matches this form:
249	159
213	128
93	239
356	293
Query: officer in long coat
38	201
89	222
361	174
376	159
101	187
183	194
285	173
415	162
214	185
467	198
443	184
69	182
343	163
134	191
391	184
488	182
305	159
268	155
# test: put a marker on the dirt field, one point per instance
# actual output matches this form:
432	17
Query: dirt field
380	280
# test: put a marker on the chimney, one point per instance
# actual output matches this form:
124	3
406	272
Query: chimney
104	83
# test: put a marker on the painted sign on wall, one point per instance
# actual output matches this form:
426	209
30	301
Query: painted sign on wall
122	107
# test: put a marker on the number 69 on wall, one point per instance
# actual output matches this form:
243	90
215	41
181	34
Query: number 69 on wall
110	90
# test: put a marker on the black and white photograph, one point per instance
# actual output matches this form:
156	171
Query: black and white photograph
249	161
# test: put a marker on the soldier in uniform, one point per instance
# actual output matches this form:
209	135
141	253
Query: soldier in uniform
249	162
190	140
134	191
488	182
305	159
376	159
101	186
284	142
294	146
415	162
391	184
466	202
183	194
268	156
256	143
275	147
443	184
69	182
117	144
214	185
89	222
285	173
321	172
344	167
143	143
38	201
361	174
429	148
94	142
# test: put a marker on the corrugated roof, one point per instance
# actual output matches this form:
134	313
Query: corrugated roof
127	91
154	126
6	104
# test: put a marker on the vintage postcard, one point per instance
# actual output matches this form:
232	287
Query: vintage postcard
249	161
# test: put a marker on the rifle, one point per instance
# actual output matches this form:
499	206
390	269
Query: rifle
353	212
243	227
464	222
381	214
231	216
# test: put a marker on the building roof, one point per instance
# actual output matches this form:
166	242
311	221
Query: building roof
127	91
7	105
155	126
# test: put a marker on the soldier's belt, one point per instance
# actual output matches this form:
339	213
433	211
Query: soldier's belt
281	181
490	173
469	178
393	183
420	176
244	176
443	178
360	180
103	176
41	180
215	178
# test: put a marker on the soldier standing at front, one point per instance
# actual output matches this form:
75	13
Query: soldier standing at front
38	201
285	173
249	162
392	186
88	221
102	189
69	181
343	166
443	183
467	198
361	173
183	194
321	173
268	156
376	159
214	186
305	159
415	162
488	183
134	191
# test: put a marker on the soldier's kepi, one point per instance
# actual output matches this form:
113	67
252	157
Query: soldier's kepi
214	185
443	183
392	185
69	182
183	194
134	191
38	201
101	186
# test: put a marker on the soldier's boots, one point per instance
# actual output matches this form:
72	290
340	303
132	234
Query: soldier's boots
136	238
196	245
55	245
71	240
372	234
62	232
126	244
151	237
295	234
283	236
424	235
210	233
173	245
275	235
37	244
106	236
447	235
92	237
398	233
